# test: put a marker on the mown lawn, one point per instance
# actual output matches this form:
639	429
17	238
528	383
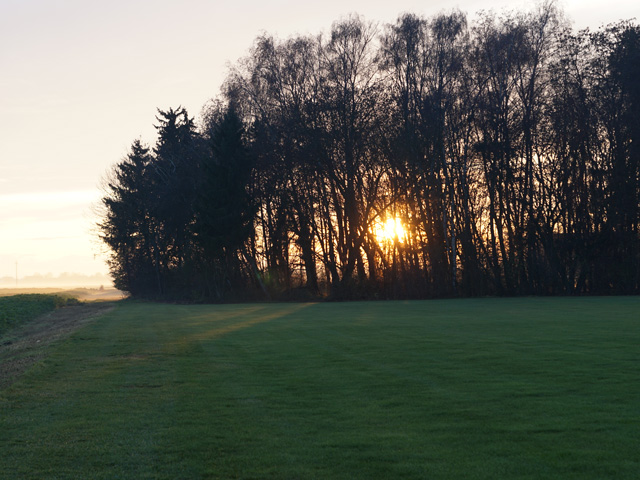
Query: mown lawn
472	389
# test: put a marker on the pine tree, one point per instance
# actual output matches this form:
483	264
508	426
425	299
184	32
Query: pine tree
224	214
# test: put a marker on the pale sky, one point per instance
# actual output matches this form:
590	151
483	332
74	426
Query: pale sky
81	79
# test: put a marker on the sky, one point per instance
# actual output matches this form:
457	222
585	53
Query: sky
80	80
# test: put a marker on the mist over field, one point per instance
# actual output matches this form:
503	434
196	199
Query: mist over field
51	280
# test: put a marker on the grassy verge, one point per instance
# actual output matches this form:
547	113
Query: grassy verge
473	389
17	309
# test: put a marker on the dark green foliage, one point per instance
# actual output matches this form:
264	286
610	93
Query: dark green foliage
223	209
224	213
177	155
624	214
176	218
132	227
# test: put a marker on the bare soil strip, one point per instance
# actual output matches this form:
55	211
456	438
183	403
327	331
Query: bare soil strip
22	347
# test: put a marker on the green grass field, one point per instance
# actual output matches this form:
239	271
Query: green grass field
538	388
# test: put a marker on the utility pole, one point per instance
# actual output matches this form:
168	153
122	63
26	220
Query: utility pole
16	273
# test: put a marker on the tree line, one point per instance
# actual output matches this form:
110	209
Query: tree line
430	157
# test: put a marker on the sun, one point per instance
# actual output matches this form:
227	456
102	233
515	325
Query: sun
390	231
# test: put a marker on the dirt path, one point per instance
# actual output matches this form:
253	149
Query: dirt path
24	346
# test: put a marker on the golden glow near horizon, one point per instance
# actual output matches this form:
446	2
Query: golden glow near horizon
49	233
389	231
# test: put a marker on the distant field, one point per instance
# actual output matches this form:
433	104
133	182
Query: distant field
535	388
21	308
83	294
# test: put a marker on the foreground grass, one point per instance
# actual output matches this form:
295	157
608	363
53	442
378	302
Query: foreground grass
490	388
18	309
